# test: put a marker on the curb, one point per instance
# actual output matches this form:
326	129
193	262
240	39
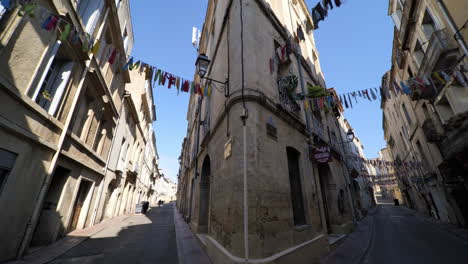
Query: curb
371	238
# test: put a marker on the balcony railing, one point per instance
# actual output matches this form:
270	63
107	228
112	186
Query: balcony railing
286	100
437	56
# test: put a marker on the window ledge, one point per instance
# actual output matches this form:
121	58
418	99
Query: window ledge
301	227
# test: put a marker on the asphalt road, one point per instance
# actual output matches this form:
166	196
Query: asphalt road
146	238
400	236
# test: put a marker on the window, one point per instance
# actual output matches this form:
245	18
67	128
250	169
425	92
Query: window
90	11
125	40
3	12
118	3
423	156
428	25
403	141
397	15
55	78
122	155
296	187
418	52
408	118
7	161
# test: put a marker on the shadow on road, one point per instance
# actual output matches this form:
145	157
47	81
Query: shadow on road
140	238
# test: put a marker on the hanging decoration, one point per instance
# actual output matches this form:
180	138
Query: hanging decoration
318	97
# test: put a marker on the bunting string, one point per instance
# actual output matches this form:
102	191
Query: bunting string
317	98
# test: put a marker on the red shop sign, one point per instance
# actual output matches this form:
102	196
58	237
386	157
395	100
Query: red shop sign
322	154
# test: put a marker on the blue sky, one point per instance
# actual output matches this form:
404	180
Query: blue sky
354	44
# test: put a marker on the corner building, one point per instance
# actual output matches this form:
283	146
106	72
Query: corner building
292	202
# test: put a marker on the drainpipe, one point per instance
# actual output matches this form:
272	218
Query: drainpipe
31	225
96	206
452	26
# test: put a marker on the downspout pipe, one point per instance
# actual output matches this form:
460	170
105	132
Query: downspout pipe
458	37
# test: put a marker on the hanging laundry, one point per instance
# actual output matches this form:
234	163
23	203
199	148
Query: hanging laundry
192	88
338	3
327	4
148	72
405	88
172	81
366	94
186	86
461	79
439	78
209	89
350	102
75	36
127	65
96	47
85	45
135	66
27	10
360	94
112	57
46	22
374	97
6	4
445	75
354	96
52	23
158	75
341	99
65	33
397	87
162	79
318	14
300	33
346	102
306	105
376	91
178	84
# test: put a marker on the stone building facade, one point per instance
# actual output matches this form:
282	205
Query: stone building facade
248	182
428	123
64	111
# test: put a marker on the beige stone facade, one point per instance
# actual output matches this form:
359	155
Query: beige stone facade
292	202
430	127
63	117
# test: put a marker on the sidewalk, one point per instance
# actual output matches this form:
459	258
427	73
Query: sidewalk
71	240
189	248
155	235
355	244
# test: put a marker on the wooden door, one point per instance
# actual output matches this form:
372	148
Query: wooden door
83	191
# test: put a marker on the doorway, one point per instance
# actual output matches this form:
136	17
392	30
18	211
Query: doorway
325	181
83	191
204	196
49	227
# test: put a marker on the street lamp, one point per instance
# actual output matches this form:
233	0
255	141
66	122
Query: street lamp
202	64
350	135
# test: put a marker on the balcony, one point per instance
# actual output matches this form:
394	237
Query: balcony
286	100
440	53
430	131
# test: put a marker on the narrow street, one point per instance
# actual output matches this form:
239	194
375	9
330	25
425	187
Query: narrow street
396	234
141	238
